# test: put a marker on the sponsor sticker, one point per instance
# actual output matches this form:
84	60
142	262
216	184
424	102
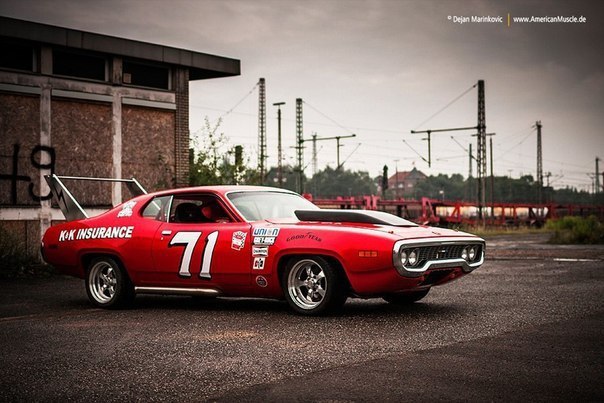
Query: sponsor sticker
260	251
264	240
238	240
258	263
266	232
96	233
261	281
126	210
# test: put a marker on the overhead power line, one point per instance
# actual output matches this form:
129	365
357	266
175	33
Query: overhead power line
457	98
328	118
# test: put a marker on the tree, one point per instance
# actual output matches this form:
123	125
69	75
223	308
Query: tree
385	181
338	182
213	161
290	178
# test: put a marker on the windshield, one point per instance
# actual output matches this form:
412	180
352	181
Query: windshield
257	206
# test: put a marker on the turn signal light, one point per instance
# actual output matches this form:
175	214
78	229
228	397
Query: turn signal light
368	253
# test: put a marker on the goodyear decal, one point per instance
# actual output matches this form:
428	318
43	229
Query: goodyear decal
96	233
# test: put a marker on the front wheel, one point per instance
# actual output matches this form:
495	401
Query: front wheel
406	298
107	284
313	286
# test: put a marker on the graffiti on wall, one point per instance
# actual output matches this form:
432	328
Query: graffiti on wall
35	158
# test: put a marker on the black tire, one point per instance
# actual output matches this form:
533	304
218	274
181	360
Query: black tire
406	298
313	286
107	284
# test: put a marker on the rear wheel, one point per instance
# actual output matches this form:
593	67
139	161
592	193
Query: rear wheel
107	284
313	286
406	298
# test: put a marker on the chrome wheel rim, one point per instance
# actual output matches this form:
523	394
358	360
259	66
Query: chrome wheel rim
102	282
307	284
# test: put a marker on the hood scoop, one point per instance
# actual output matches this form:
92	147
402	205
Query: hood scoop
353	216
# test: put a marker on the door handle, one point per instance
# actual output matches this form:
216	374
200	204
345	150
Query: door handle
166	232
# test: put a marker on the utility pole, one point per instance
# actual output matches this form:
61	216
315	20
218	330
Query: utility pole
396	177
279	147
597	175
492	179
539	164
470	188
314	154
482	145
337	138
299	145
547	176
429	138
481	159
262	130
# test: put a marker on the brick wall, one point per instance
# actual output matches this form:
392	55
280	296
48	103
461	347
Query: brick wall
148	147
81	138
20	127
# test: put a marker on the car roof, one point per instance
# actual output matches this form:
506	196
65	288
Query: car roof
221	190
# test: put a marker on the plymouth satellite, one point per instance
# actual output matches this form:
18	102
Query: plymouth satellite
251	241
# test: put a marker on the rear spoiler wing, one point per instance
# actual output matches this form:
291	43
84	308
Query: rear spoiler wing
72	210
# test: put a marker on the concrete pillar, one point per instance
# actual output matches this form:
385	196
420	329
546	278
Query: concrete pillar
46	60
45	140
116	71
116	131
181	129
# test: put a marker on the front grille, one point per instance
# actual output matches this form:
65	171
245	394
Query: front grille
440	252
413	257
436	253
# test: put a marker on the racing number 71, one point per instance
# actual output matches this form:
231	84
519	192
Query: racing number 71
190	240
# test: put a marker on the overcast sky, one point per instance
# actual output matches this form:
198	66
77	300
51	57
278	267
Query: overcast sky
380	68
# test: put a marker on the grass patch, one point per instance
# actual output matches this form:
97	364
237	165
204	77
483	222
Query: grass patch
576	230
499	230
15	262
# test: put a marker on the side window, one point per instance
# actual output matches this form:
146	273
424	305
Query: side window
157	209
197	208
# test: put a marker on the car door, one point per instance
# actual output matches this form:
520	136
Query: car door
200	245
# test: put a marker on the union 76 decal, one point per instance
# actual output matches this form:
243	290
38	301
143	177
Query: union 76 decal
190	239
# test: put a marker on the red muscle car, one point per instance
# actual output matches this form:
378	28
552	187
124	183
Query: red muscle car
247	241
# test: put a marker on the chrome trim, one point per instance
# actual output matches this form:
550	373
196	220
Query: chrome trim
166	232
169	208
433	264
177	291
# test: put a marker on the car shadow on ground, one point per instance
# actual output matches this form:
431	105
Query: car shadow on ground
353	308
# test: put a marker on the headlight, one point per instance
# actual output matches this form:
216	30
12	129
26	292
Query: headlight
464	254
413	257
403	257
472	253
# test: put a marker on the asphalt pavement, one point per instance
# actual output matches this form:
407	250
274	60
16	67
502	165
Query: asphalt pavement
528	325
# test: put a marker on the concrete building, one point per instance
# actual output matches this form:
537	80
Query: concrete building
84	104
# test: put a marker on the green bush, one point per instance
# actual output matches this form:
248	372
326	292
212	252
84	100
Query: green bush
576	230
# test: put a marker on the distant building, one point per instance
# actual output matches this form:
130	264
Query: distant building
84	104
403	183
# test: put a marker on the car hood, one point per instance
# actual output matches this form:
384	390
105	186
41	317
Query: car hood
395	232
422	232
